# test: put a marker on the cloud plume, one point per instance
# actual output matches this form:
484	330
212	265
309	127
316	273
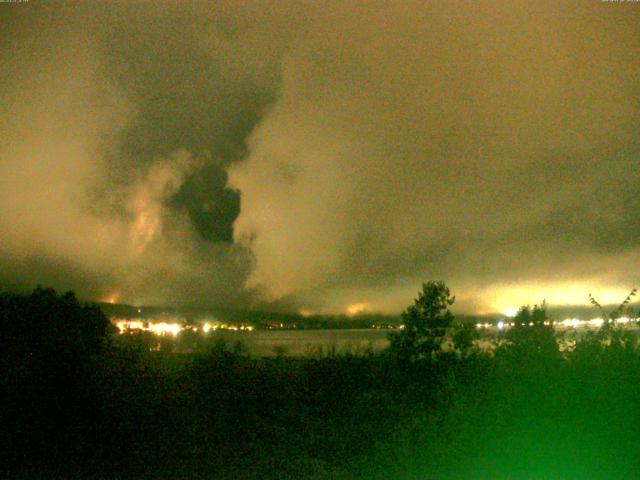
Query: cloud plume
314	156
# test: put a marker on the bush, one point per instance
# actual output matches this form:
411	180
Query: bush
48	343
425	324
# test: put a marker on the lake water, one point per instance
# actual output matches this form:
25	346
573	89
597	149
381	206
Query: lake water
312	342
307	342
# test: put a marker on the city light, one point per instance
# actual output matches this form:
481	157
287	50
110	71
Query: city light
563	324
173	328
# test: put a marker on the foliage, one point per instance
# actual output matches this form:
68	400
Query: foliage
532	335
464	335
221	414
611	338
608	329
49	345
618	311
45	323
425	324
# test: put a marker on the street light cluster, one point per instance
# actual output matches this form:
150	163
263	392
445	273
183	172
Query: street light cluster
165	328
563	324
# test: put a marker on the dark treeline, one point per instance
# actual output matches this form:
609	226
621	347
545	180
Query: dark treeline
81	403
258	319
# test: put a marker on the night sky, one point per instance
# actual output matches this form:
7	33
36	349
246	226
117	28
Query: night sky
321	156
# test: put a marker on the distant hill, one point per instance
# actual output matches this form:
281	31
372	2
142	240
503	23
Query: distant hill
260	319
266	319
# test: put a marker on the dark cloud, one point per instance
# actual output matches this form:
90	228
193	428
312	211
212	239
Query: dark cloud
315	156
64	273
195	86
211	206
134	114
457	141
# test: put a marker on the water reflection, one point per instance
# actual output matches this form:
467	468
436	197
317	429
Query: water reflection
308	342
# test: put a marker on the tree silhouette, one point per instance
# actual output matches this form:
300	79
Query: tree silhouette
48	344
610	318
464	334
425	324
532	334
611	335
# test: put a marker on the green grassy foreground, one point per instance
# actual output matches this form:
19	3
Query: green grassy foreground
115	411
